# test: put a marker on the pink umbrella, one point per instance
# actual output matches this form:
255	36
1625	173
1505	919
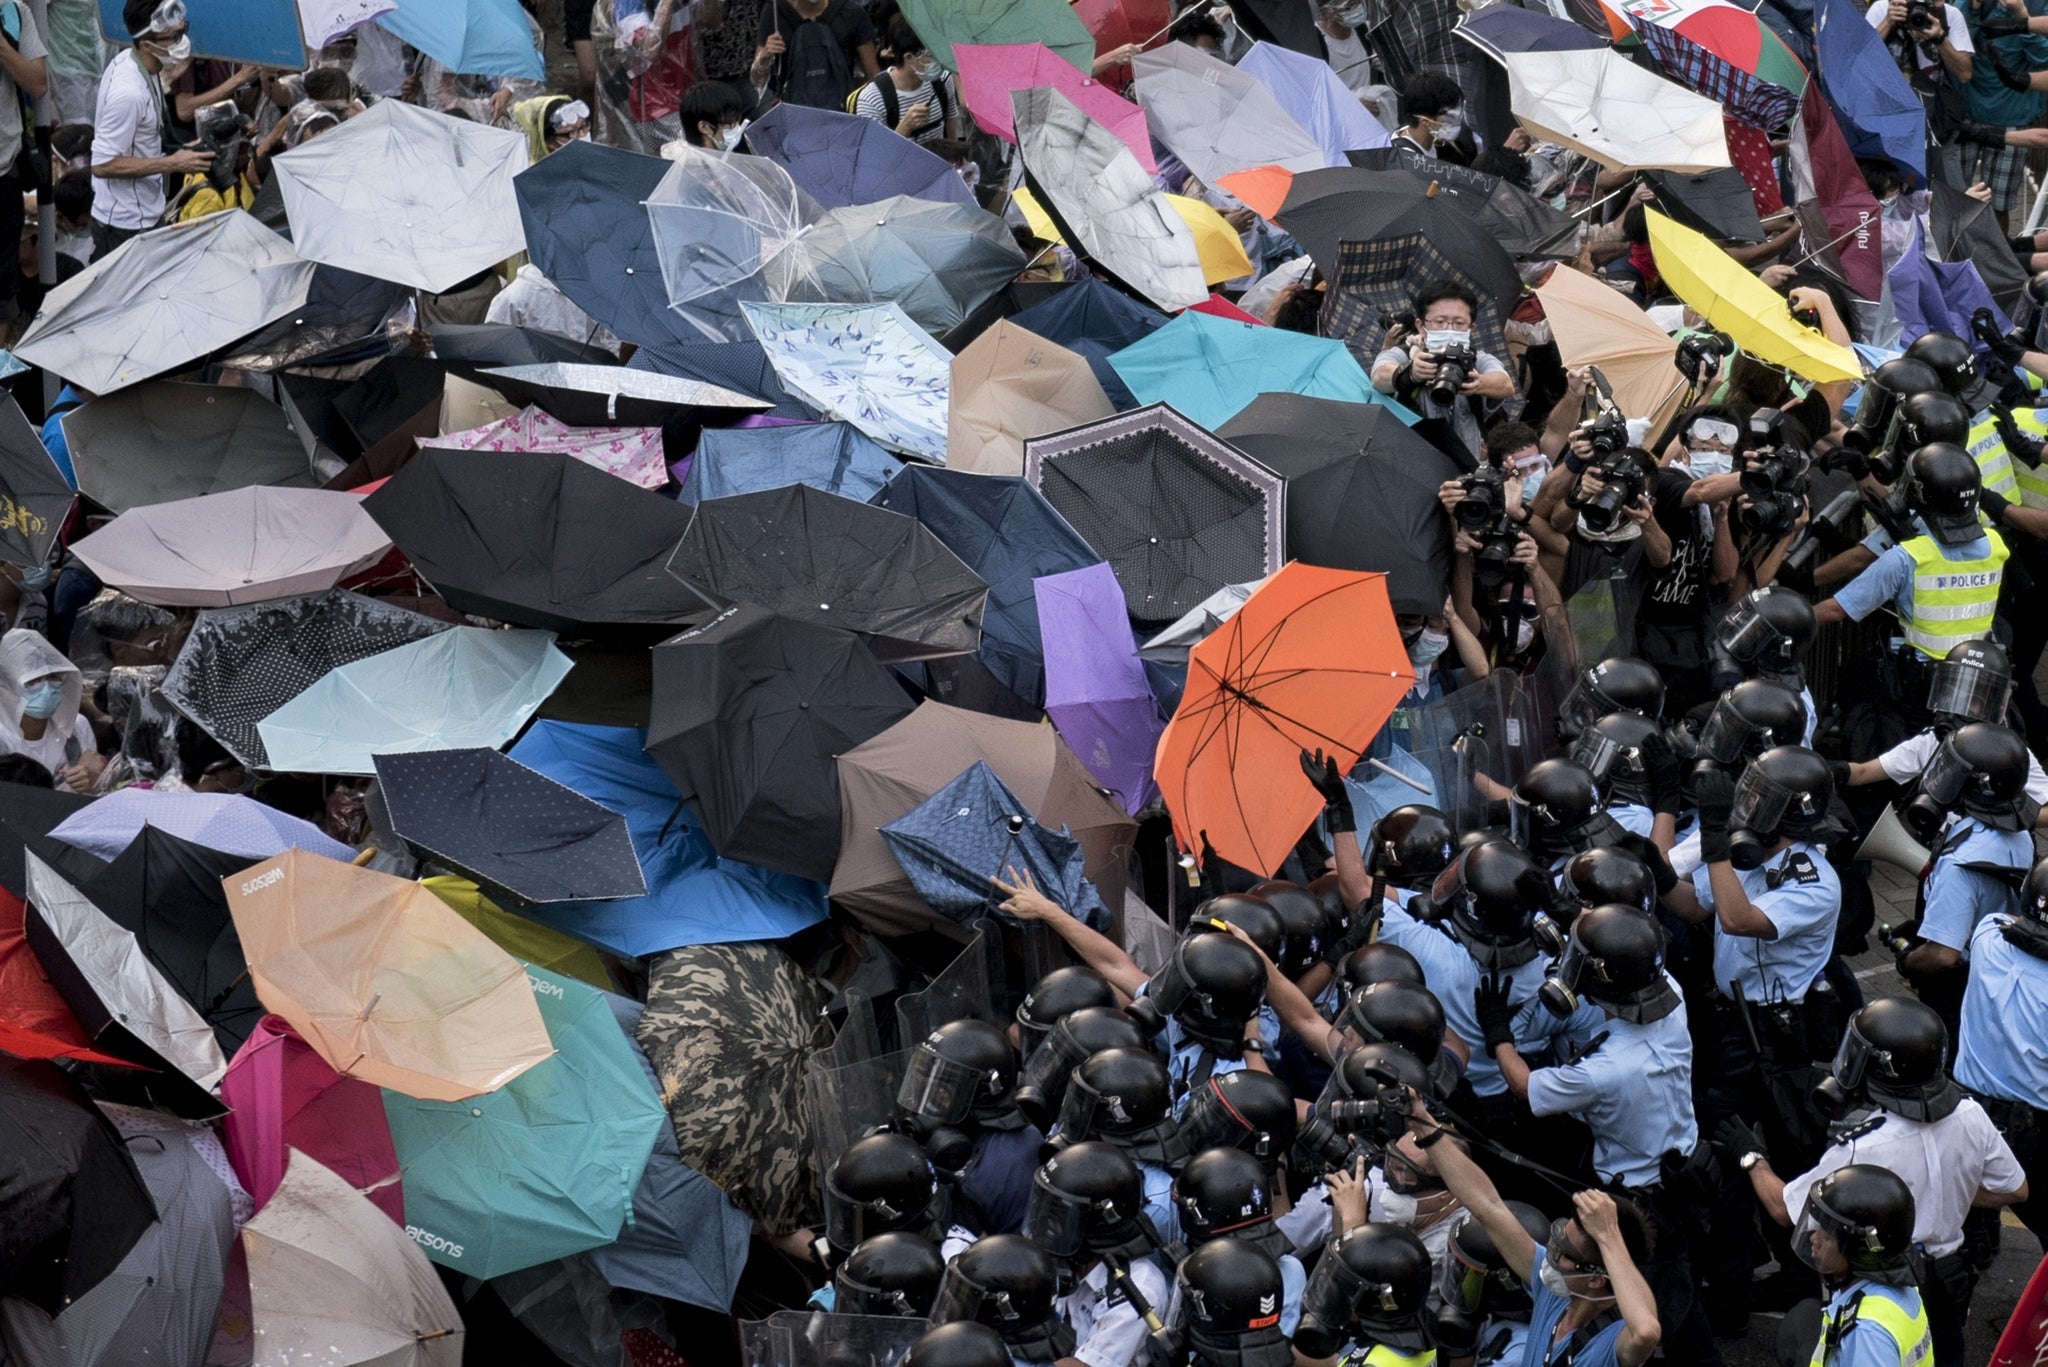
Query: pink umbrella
990	72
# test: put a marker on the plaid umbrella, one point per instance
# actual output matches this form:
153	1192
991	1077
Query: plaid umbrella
1375	280
1744	94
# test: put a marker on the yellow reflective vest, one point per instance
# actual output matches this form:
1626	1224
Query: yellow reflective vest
1953	600
1907	1328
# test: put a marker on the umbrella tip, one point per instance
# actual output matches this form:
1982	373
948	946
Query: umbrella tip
1434	186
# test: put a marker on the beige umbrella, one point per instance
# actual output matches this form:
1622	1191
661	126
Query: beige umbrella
333	1282
1011	384
384	980
1594	325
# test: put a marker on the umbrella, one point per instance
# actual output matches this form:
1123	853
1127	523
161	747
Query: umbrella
1313	660
719	218
508	344
1726	53
163	299
868	365
472	37
323	21
1291	27
883	778
1600	104
841	159
990	74
1305	86
528	941
33	1044
544	1166
1116	23
28	813
236	826
1880	115
634	454
1717	203
1502	28
239	665
1051	22
1095	689
1006	532
973	829
1209	368
1171	646
1939	296
1325	209
1522	224
1010	385
162	441
832	456
749	710
739	366
398	393
405	194
685	1240
593	395
1594	325
518	833
1217	245
937	261
1375	281
345	317
542	540
462	688
1218	119
1966	229
696	897
73	1204
35	498
611	684
1007	302
331	1279
242	546
1744	307
1104	202
1361	491
822	558
1094	321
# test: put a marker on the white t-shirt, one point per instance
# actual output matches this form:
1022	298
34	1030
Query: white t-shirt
1945	1163
127	123
1904	761
1958	31
870	104
31	46
48	751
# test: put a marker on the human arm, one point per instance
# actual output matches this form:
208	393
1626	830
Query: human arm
1656	541
870	64
25	68
1471	653
1640	1332
188	105
1023	900
1770	249
1497	1024
1115	57
1493	381
1475	1191
1348	1197
1298	1015
116	130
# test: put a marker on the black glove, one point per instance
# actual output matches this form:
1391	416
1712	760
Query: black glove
1993	504
1735	1135
1838	773
1496	1017
1321	770
1714	796
1983	134
1666	780
2007	77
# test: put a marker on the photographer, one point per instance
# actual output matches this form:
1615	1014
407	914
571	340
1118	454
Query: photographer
1692	493
1599	500
1767	515
1934	36
1444	377
1497	587
2004	92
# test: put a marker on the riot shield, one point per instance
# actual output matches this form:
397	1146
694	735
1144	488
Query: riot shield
962	989
851	1085
1147	938
809	1338
1453	779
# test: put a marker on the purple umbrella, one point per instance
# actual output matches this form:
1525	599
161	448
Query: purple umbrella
1095	689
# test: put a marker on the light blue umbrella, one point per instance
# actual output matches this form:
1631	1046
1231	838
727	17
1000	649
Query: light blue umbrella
546	1165
227	822
470	37
1320	102
463	688
832	456
1209	368
867	364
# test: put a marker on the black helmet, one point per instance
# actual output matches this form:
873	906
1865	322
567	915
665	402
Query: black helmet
2034	895
1615	960
893	1274
1980	769
1011	1285
1950	358
1088	1197
1618	751
1365	1070
961	1344
1410	845
1122	1096
1475	1278
1749	719
1768	630
964	1070
1371	1284
1599	877
1241	1109
881	1183
1402	1013
1379	962
1622	684
1942	485
1059	993
1329	894
1079	1035
1227	1191
1251	914
1490	896
1884	395
1212	984
1231	1295
1869	1211
1934	416
1893	1052
1785	791
1557	809
1301	917
1974	683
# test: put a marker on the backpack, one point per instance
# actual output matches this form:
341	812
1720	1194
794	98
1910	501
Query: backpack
892	104
818	71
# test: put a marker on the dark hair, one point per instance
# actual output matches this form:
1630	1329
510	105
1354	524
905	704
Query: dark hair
902	38
1512	167
22	769
1428	94
1300	310
712	102
1441	290
1808	277
72	194
1880	176
136	14
327	85
1507	437
1196	23
198	752
72	140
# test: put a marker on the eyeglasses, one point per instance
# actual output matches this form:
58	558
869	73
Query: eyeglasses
1447	323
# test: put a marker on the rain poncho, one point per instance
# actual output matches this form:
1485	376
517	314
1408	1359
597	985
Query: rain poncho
26	656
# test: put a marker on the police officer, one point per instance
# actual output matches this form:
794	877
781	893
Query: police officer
1974	682
1304	959
1557	811
1011	1285
1402	854
1059	993
1370	1290
881	1183
1764	636
1856	1230
1483	1307
1620	684
1072	1041
1122	1096
1087	1210
1228	1194
1205	1002
1629	758
1999	1059
1227	1309
1603	877
1953	361
893	1274
959	1094
963	1343
1903	1113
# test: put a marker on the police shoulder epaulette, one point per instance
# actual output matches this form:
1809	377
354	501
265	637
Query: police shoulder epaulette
1855	1127
1797	868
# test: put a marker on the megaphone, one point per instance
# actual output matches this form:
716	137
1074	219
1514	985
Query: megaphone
1890	841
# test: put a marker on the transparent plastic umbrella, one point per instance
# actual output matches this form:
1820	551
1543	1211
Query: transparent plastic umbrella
720	219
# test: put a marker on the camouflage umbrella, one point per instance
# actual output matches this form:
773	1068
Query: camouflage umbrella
729	1029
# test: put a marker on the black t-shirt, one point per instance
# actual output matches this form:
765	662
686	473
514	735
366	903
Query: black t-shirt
1677	594
847	19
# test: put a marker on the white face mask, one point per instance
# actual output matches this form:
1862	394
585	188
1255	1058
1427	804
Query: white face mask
1427	647
1445	339
1706	463
1532	471
1553	1281
729	138
1525	633
1396	1207
179	52
1450	123
1354	17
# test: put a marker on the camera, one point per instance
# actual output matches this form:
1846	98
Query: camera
1919	14
1773	480
1621	480
1337	1133
1483	513
1455	365
1699	355
221	132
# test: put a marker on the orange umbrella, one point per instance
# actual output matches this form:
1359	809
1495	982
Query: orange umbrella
1262	189
1312	660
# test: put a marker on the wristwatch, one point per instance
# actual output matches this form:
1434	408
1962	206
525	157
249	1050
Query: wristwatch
1749	1160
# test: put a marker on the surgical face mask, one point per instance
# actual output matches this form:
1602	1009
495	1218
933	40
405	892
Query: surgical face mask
1445	339
1450	123
1553	1280
1355	16
41	700
1532	470
1525	634
179	52
921	67
729	138
1397	1207
1706	463
1430	644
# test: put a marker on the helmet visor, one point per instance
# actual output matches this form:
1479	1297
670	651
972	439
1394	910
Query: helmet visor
1460	1282
1601	753
1727	735
848	1222
856	1297
1852	1059
1962	690
1583	706
1521	826
1571	969
1054	1220
1760	803
1048	1066
1746	634
1329	1299
936	1089
1946	777
960	1299
1211	1122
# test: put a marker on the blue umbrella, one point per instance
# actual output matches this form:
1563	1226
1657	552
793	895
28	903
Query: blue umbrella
843	159
697	897
1210	368
1879	113
832	456
470	37
740	366
1309	90
1500	29
1094	320
1940	296
867	364
954	841
226	822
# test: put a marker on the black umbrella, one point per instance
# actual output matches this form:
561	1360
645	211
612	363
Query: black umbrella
821	558
739	366
34	499
519	835
1520	222
397	394
537	539
346	317
309	404
1717	203
1965	229
1176	512
504	344
610	395
609	684
750	710
71	1202
27	816
1376	281
1278	21
1007	302
1325	209
160	441
1361	490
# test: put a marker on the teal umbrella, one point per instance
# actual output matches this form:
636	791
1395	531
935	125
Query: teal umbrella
942	23
1210	368
546	1165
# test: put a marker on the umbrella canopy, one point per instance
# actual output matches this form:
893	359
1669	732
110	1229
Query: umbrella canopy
528	941
239	665
383	980
1726	53
1177	513
1604	106
1375	281
1594	325
162	441
345	317
163	299
472	37
1209	368
719	218
331	1279
34	1044
546	1165
1094	321
841	159
1095	689
1879	113
1010	385
868	365
1361	491
634	454
821	558
1501	28
1963	229
542	540
242	546
1312	94
696	897
1522	224
1717	203
991	73
749	710
591	395
507	344
1115	23
1216	118
35	498
832	456
518	833
73	1204
1324	210
1171	646
729	1030
937	261
1313	660
973	829
884	778
1104	201
1217	244
1051	22
1731	299
739	366
1939	296
405	194
464	687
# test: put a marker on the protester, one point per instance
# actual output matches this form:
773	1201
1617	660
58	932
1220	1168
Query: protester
130	156
913	96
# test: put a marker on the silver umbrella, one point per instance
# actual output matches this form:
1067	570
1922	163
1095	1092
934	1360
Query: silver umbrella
939	261
1217	119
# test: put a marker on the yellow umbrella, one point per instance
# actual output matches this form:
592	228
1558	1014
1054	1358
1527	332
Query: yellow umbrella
519	937
1751	312
1595	325
1216	242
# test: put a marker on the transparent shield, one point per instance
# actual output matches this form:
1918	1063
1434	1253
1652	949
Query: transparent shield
936	1089
799	1338
848	1099
959	991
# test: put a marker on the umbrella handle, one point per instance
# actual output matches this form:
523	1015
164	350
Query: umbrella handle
369	852
1391	772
